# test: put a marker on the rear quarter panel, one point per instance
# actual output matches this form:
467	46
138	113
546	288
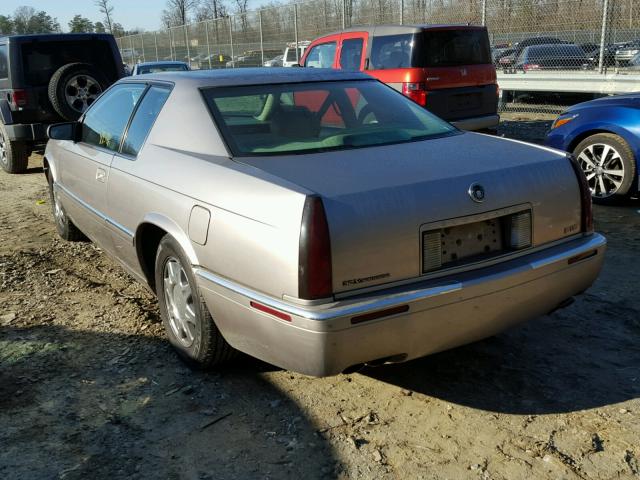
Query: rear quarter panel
254	228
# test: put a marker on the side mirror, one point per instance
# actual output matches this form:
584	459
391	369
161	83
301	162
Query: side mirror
63	131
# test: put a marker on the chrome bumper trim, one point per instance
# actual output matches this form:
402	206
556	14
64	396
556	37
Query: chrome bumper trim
329	311
334	310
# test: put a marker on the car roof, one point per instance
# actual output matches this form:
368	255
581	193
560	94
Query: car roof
252	76
56	37
555	47
400	29
161	62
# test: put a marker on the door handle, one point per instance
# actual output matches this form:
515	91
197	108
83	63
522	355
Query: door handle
101	175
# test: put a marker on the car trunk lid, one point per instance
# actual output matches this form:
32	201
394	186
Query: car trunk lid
380	201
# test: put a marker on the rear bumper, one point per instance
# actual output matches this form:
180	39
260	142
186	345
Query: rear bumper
441	313
478	123
31	132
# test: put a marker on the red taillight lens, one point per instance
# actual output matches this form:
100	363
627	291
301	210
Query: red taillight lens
314	263
416	92
19	97
585	197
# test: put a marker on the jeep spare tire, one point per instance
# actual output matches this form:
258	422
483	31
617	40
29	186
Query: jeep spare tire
74	87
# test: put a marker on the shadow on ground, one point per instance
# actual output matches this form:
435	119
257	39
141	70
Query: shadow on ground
122	406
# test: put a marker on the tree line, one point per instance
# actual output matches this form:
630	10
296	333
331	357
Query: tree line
27	20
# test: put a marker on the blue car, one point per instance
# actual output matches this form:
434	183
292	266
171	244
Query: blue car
604	136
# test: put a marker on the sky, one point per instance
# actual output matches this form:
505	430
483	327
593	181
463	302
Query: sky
129	13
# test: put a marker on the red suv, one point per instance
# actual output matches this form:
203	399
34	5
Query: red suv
445	68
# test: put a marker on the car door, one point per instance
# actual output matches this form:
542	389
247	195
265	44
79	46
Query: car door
126	184
323	54
351	54
84	171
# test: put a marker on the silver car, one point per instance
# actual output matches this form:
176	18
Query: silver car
316	219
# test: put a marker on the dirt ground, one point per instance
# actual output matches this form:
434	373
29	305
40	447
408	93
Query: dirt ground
90	389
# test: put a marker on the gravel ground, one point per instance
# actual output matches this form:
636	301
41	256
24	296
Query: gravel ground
90	388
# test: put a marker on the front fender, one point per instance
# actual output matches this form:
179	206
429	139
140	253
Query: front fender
624	122
5	112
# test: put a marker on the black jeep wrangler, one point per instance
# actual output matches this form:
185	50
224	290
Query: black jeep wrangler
46	79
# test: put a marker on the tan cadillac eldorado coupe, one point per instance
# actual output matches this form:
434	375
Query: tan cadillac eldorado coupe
318	220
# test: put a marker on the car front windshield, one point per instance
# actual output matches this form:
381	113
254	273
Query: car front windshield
294	118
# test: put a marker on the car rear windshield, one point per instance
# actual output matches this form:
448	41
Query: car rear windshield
169	67
431	48
40	60
318	116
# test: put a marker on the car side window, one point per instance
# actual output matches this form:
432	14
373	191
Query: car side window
105	121
143	119
321	56
351	54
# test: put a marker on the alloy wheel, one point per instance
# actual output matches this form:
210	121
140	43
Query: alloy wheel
179	302
604	169
81	91
58	211
3	150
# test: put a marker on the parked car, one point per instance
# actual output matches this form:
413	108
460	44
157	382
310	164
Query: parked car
624	54
307	217
446	69
500	53
274	62
507	62
155	67
589	47
289	58
552	57
593	56
215	60
603	135
45	79
252	58
634	63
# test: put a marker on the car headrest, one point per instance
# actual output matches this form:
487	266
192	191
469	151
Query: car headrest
295	122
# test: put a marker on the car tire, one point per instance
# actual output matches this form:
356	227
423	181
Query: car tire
185	316
14	157
618	157
73	88
64	226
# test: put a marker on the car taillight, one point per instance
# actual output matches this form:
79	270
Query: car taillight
586	218
416	92
19	97
531	66
314	261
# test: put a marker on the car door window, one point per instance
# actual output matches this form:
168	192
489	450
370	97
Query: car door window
351	54
321	56
105	121
143	119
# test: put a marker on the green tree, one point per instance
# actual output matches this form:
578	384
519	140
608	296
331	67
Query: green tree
6	25
80	24
117	30
107	10
28	20
99	27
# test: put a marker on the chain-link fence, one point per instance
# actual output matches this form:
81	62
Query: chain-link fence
540	47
